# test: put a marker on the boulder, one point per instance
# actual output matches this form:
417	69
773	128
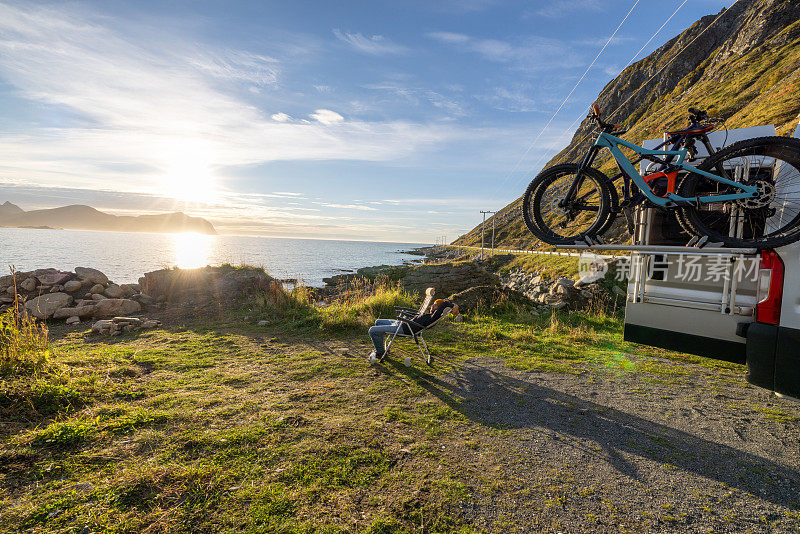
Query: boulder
226	284
131	289
92	275
73	320
54	278
113	291
115	307
77	311
143	298
44	306
97	289
29	284
97	297
72	285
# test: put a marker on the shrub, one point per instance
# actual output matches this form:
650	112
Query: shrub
23	342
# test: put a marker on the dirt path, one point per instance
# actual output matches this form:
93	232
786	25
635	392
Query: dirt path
583	453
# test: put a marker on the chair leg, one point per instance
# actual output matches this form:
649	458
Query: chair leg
388	343
423	349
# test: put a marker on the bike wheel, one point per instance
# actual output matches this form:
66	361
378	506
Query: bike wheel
585	216
772	219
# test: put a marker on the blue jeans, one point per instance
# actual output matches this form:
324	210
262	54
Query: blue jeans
382	326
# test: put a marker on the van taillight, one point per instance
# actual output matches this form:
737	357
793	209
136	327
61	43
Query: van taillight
770	288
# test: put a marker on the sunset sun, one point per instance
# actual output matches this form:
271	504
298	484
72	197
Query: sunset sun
188	175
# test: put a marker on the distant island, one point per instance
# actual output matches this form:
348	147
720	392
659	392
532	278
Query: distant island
79	217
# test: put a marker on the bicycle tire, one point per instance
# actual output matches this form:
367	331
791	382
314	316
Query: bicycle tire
533	194
768	147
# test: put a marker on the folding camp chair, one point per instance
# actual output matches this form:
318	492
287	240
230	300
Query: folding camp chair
406	327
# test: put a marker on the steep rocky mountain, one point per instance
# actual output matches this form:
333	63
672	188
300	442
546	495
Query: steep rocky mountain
742	65
78	217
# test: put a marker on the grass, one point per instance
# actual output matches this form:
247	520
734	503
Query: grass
23	342
222	426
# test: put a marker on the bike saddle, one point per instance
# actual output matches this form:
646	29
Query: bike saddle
693	130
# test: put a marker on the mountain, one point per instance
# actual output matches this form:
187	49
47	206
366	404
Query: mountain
742	65
78	217
8	209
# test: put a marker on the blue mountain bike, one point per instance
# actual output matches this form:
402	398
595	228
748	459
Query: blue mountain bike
745	195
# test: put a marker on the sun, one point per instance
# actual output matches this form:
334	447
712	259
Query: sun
188	174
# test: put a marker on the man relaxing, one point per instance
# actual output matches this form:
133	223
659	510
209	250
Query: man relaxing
389	326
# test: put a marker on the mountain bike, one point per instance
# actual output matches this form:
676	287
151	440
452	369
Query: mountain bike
744	195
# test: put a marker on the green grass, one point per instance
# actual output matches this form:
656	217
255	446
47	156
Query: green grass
223	426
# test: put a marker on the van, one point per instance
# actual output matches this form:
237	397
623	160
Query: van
737	305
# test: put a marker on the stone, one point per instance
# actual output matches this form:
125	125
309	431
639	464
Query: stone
54	278
263	322
6	299
150	323
558	305
72	285
97	289
77	311
29	284
93	275
97	297
113	291
131	289
43	307
116	307
99	326
73	320
10	290
143	298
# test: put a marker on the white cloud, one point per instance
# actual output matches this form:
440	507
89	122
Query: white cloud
151	107
281	117
326	117
376	45
347	206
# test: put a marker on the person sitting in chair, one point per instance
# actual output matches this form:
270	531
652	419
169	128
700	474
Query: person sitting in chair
421	321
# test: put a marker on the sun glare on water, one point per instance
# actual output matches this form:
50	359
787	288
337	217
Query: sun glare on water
192	250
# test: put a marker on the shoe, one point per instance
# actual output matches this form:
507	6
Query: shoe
374	356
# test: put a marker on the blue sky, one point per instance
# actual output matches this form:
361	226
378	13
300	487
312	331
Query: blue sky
357	120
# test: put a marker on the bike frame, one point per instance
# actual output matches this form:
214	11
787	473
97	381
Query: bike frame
612	143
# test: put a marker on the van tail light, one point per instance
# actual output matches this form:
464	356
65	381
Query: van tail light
770	288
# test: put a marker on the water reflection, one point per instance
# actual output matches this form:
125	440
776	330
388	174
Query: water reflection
192	250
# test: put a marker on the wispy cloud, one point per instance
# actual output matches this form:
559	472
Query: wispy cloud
160	108
515	100
376	45
561	8
415	96
532	53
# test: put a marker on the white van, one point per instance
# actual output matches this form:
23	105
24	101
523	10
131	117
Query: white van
737	305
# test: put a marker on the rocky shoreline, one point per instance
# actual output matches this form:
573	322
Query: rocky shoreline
87	294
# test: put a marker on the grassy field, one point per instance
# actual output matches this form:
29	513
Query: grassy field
222	426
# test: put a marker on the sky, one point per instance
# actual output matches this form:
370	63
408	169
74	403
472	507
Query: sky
379	121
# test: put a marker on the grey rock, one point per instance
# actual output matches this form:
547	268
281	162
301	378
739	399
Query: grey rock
72	285
116	307
54	278
97	297
93	275
29	284
97	289
77	311
114	291
44	306
73	320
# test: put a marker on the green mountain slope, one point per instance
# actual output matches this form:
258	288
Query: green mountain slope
743	65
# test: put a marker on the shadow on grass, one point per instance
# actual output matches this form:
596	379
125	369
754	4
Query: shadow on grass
497	400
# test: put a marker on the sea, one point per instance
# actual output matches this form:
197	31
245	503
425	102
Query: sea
125	256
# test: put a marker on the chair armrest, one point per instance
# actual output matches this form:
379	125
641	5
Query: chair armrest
404	309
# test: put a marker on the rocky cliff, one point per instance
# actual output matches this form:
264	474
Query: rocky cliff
742	64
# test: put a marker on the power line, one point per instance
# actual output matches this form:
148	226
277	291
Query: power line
565	99
580	118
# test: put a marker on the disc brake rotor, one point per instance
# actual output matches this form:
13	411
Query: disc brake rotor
766	194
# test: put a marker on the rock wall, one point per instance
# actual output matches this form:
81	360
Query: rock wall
448	278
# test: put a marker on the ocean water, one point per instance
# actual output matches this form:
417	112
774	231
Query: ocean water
124	257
